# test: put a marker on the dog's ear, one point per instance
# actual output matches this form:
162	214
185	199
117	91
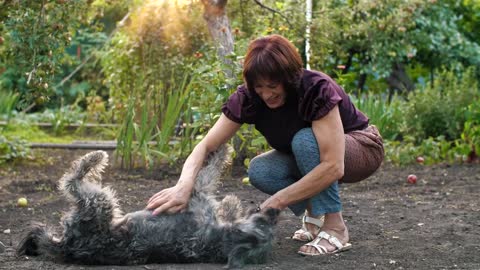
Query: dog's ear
272	214
29	243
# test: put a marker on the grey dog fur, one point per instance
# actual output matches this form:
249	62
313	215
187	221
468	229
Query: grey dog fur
96	232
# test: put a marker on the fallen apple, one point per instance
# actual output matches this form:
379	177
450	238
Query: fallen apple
420	160
22	202
246	181
412	179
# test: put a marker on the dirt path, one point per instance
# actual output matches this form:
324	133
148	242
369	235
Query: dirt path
434	224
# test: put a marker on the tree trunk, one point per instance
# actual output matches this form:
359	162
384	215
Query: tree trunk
399	80
219	27
308	19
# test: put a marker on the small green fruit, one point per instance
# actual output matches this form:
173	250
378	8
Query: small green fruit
22	202
246	181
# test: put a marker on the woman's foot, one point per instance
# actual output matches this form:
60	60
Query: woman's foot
310	228
332	238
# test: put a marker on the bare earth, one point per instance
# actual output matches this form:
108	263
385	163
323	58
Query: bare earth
434	224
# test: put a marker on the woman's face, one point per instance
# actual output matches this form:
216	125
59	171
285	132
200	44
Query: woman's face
272	93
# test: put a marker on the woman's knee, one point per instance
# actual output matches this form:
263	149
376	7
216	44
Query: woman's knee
303	140
258	170
305	149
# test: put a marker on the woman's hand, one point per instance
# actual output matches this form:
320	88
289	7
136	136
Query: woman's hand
273	202
170	200
175	199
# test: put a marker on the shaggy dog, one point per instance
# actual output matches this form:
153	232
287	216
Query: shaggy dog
96	232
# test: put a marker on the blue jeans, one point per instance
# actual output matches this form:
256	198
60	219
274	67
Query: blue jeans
273	171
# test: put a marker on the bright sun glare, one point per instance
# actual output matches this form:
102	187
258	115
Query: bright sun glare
162	20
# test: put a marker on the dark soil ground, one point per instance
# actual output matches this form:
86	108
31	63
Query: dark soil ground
434	224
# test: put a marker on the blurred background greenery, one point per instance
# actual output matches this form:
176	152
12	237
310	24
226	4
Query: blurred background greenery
154	70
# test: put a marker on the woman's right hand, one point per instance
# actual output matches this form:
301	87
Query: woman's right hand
175	199
170	200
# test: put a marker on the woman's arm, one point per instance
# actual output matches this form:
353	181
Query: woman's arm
175	199
330	137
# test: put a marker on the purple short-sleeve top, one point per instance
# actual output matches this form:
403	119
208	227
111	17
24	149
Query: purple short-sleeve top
315	97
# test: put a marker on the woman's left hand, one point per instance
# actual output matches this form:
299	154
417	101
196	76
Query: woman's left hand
273	202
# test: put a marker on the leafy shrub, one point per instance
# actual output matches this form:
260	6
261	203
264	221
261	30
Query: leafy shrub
469	142
37	34
441	109
433	150
12	149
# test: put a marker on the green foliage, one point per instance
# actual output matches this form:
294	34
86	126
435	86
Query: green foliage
12	149
8	100
441	109
469	141
438	38
470	19
370	37
434	150
452	108
159	38
80	73
157	122
386	115
249	21
63	117
143	69
37	34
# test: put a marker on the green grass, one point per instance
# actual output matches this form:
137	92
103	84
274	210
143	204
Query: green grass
34	134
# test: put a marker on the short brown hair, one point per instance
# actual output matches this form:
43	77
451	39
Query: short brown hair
274	58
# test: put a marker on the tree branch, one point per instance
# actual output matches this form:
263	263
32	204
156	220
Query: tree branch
274	11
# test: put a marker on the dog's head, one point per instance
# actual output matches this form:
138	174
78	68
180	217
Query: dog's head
250	240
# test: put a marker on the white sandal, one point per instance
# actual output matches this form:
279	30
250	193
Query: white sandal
323	250
303	235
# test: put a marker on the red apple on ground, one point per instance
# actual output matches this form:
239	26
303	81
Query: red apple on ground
412	179
420	160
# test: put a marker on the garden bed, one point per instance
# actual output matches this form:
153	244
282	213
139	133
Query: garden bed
433	224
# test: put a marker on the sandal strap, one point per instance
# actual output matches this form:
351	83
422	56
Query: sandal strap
315	221
319	248
308	235
331	239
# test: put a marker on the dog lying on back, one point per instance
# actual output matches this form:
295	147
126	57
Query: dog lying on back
96	232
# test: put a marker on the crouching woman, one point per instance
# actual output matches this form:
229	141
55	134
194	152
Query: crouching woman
319	140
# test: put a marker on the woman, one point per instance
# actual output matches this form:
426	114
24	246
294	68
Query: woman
318	136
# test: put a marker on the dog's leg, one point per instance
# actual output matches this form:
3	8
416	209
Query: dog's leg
229	210
209	176
96	207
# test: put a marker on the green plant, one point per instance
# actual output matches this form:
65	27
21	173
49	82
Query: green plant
469	142
12	149
8	101
378	38
252	143
441	109
37	34
125	136
387	116
159	115
433	150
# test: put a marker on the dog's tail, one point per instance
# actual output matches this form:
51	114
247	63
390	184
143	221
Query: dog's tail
39	241
89	166
209	176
